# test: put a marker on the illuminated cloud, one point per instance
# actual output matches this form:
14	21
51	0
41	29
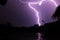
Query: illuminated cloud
39	2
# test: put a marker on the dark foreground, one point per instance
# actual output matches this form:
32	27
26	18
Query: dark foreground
50	31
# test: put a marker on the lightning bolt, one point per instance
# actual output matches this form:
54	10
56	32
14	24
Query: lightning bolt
37	13
39	3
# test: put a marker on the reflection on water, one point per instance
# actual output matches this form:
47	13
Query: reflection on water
39	36
28	36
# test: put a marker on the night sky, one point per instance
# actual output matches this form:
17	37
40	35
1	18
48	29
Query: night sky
20	14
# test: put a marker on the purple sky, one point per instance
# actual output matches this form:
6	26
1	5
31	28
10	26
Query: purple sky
20	14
